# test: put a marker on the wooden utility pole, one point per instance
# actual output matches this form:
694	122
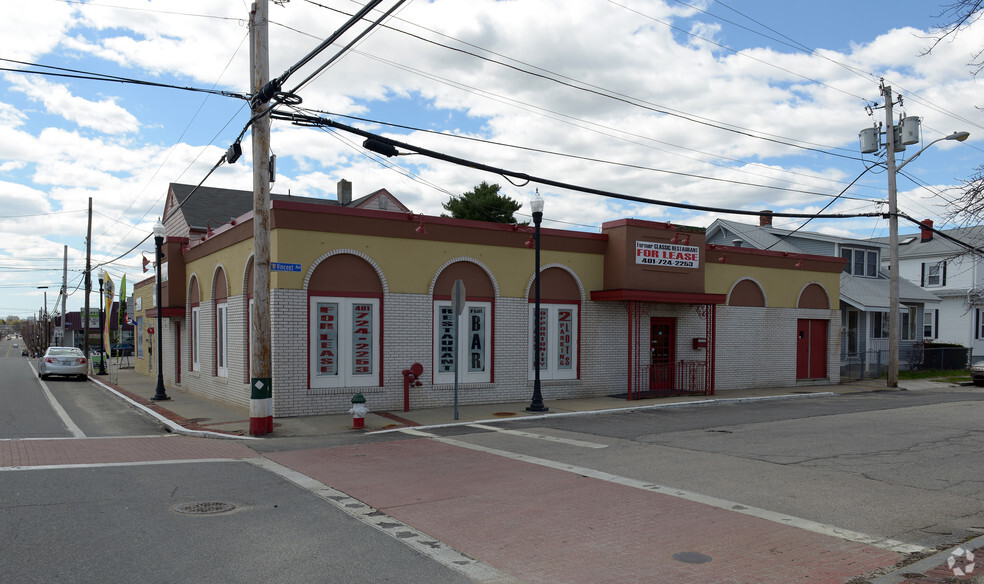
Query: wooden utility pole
88	282
261	377
893	244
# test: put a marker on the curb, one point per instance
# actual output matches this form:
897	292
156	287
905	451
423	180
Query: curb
934	562
169	424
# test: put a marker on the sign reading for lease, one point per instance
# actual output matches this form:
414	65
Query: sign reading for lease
671	255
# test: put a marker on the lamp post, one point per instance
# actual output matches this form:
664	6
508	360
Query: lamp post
893	234
536	405
160	394
102	327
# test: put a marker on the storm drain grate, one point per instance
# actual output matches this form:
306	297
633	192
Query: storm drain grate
692	557
204	508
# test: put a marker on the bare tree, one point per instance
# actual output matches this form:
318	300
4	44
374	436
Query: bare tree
955	17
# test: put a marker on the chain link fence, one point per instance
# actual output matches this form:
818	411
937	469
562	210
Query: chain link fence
918	357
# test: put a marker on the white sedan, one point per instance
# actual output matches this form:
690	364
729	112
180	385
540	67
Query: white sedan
68	361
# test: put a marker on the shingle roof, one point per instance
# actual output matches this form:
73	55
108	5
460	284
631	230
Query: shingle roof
221	205
873	293
938	246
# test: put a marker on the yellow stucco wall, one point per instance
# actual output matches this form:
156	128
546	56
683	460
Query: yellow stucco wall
408	265
145	294
782	287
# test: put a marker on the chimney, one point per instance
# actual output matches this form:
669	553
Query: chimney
926	231
344	192
765	218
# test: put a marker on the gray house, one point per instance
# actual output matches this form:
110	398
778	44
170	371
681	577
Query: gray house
864	290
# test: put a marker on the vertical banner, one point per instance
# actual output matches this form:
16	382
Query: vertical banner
108	291
362	339
446	320
541	327
476	339
565	339
328	338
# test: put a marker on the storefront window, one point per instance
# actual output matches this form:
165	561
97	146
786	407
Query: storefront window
344	342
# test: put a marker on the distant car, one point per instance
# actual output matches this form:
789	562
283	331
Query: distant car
63	361
118	350
24	353
16	345
977	373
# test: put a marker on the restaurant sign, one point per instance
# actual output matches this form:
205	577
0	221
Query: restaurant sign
672	255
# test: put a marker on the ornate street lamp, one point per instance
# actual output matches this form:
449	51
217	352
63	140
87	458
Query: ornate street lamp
536	405
160	394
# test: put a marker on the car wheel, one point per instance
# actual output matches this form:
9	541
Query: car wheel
979	382
43	376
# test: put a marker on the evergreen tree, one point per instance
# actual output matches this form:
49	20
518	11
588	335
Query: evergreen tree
483	203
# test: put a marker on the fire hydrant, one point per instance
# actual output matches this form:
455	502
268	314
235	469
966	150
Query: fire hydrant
411	378
358	411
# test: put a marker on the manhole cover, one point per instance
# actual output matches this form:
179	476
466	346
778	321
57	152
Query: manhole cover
691	557
204	508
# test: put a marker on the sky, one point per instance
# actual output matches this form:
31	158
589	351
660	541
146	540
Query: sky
737	104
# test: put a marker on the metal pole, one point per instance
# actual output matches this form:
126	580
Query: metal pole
88	282
893	244
261	378
102	328
536	405
160	394
64	297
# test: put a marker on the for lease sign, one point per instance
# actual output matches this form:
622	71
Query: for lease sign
653	253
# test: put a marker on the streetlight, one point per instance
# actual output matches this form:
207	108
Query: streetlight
102	327
160	394
536	205
893	231
44	320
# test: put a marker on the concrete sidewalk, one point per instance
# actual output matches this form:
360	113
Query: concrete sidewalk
190	413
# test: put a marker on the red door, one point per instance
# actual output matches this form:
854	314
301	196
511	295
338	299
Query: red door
177	352
662	344
811	349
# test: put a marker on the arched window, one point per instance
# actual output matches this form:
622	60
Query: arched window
813	296
746	293
558	325
221	300
194	303
345	299
474	358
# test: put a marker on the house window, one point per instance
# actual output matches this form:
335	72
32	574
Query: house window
907	327
933	275
860	262
474	344
558	331
196	337
930	324
222	339
853	316
344	341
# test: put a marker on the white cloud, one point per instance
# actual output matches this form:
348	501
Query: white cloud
104	116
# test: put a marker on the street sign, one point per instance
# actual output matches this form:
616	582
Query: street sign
458	297
281	267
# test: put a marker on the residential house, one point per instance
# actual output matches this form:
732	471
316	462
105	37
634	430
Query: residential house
864	290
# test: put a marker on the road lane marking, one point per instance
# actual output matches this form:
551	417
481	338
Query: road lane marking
775	517
477	571
117	464
74	430
568	441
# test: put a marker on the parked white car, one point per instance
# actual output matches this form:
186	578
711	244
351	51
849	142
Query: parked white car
68	361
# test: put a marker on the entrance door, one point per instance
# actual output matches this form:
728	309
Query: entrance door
811	349
177	352
662	346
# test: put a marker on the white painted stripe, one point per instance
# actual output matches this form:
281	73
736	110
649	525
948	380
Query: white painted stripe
74	430
568	441
633	408
781	518
119	464
261	408
419	541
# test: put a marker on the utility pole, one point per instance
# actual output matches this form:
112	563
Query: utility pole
893	243
261	377
88	282
64	294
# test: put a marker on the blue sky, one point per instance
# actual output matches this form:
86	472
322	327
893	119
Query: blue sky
64	140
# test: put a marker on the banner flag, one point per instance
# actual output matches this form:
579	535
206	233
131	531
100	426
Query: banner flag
108	291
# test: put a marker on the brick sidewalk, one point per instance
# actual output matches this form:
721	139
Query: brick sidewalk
549	526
